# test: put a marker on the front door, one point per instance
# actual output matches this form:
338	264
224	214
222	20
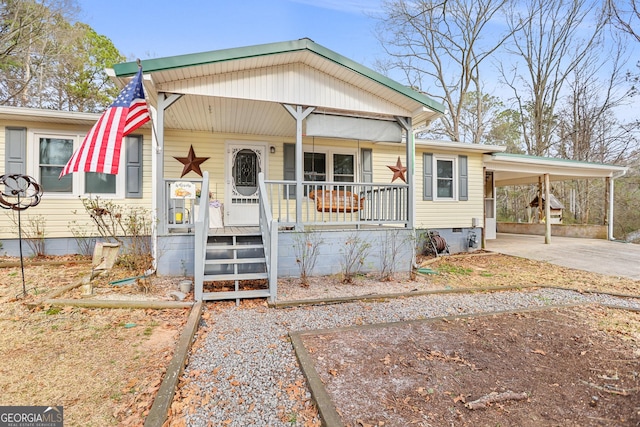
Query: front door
244	163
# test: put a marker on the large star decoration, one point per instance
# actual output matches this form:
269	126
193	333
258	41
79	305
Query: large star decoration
191	162
398	171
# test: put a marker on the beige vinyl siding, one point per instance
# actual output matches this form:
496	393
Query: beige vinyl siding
450	214
58	213
296	83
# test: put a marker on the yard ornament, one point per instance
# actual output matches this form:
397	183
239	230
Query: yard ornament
17	193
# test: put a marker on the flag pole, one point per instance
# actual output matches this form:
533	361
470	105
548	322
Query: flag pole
154	189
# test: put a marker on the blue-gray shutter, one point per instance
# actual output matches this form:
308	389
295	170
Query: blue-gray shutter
463	178
134	167
427	179
289	172
366	158
15	151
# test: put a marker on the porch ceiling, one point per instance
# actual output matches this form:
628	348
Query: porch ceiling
242	90
513	169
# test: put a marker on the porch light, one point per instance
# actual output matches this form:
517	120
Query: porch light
272	149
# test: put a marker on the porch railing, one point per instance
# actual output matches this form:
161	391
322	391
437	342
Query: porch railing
269	231
338	203
178	214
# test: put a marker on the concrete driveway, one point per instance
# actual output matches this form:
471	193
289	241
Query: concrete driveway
595	255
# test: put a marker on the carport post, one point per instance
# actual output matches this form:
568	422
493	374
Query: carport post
610	219
547	210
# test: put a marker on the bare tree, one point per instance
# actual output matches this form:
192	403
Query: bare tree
588	129
625	15
440	46
551	39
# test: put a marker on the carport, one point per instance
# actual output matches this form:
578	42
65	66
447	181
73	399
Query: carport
506	169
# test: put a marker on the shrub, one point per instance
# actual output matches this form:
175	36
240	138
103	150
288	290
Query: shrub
354	253
307	247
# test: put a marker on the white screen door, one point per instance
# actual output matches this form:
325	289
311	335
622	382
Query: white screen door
244	163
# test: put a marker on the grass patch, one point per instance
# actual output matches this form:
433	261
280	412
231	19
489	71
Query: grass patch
454	269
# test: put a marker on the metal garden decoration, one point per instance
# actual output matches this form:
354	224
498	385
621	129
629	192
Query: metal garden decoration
17	193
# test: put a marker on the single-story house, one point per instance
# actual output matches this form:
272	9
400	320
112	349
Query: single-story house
289	145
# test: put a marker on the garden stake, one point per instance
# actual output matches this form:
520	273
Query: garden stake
19	192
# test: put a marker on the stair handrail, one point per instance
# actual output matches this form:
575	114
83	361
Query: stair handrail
269	231
200	238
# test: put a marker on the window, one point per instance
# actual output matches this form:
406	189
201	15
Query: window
445	177
100	183
336	167
315	167
50	153
54	155
343	168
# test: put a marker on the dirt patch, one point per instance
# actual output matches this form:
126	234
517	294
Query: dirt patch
569	367
481	270
103	365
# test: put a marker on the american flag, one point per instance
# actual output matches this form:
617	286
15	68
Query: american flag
100	150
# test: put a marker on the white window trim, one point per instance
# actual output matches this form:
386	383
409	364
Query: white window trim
455	181
33	165
329	152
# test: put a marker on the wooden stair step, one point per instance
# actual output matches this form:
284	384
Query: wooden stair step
213	296
219	261
211	246
239	276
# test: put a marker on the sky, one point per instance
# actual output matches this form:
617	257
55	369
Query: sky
158	28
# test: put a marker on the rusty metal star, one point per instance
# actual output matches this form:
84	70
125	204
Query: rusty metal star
191	162
398	171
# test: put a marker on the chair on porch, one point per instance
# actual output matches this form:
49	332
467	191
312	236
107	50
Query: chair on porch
336	201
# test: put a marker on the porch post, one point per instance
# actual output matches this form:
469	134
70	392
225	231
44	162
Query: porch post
154	189
547	210
164	101
610	182
299	115
405	122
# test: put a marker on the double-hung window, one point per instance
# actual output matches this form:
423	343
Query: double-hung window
445	177
329	166
52	151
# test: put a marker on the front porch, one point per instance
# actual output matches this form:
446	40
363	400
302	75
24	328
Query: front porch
246	261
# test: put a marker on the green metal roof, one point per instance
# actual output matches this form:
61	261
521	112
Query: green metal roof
567	162
194	59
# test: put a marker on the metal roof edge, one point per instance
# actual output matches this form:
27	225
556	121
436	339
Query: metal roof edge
525	158
462	146
28	112
150	65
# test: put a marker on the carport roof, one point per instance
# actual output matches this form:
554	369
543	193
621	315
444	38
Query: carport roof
520	169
